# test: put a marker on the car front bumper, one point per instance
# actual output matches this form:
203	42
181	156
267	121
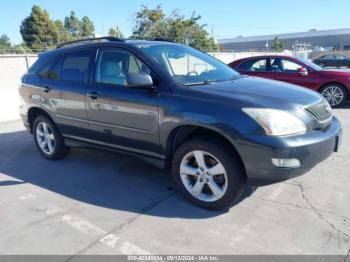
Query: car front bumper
310	149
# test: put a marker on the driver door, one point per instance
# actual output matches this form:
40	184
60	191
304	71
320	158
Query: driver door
287	71
122	117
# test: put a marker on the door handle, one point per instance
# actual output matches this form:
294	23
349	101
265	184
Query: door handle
45	89
93	95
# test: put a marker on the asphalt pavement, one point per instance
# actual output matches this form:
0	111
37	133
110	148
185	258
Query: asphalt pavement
95	202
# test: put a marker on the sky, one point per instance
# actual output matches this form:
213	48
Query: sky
227	18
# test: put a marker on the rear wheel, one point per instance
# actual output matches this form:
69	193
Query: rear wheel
48	139
335	94
208	174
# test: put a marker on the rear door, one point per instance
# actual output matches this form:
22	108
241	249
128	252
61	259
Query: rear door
327	60
256	67
121	117
64	89
341	60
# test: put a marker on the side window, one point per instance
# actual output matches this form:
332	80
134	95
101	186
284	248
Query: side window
246	65
113	66
75	66
133	66
259	65
276	65
328	57
339	57
289	66
254	65
51	69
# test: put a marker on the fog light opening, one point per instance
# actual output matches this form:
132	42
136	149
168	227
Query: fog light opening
286	162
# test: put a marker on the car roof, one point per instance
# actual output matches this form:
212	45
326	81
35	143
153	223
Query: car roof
127	42
268	56
261	57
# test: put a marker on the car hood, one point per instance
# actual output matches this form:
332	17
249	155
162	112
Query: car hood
260	92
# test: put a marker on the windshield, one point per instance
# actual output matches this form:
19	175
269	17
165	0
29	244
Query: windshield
189	66
309	64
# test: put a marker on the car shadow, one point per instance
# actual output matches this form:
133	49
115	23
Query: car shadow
99	178
346	105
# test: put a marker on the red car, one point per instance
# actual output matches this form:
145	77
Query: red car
333	85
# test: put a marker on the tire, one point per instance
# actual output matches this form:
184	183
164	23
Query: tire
50	142
335	94
231	181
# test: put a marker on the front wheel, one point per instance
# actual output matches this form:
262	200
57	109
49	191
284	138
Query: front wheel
335	94
208	174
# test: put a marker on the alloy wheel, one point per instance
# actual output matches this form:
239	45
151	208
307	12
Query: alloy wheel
203	176
333	94
45	138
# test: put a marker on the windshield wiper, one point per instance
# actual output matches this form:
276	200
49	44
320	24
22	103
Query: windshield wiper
212	81
200	83
235	77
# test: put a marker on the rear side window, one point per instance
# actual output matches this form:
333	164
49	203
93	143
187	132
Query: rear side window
75	66
256	65
340	57
51	69
41	62
328	57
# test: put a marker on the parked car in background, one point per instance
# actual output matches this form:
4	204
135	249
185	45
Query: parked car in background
215	129
332	60
333	85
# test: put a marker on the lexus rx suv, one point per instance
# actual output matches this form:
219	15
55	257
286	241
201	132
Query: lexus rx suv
216	130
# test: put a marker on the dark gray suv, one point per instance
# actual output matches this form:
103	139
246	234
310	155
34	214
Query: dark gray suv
215	129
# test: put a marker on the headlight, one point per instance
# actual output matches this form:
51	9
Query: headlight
276	122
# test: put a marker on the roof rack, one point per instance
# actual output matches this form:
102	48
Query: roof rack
162	39
108	38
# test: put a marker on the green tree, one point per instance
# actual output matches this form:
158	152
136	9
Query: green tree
5	43
277	45
21	48
72	24
87	28
38	31
77	29
115	32
63	35
146	19
153	23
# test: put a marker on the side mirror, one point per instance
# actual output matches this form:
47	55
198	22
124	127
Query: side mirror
139	80
303	71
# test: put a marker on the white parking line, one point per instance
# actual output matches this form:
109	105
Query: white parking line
27	197
130	249
110	240
90	229
86	227
83	226
51	210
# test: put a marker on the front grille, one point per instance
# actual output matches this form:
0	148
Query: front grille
320	111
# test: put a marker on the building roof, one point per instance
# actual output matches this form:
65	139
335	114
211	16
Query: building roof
311	33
